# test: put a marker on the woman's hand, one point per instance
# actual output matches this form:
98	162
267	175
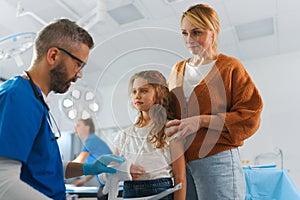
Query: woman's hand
136	171
183	127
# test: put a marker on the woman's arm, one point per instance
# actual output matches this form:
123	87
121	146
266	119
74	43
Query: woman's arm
187	126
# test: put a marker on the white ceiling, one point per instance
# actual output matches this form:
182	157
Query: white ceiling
155	40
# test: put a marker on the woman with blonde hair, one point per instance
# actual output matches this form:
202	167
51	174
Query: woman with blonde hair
218	107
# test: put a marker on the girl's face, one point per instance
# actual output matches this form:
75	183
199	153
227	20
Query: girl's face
196	39
143	95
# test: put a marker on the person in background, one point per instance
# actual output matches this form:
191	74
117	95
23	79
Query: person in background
30	161
156	160
93	147
217	107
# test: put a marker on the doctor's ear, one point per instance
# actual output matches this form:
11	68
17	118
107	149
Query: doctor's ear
52	56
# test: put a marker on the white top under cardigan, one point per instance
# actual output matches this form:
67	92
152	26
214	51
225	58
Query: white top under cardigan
193	75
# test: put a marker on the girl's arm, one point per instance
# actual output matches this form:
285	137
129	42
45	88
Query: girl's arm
135	170
178	166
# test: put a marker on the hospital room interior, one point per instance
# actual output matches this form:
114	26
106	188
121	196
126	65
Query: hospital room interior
136	35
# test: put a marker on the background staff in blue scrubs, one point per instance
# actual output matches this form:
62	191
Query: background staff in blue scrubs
93	147
30	162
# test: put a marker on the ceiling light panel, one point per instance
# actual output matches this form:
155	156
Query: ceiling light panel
256	29
125	14
259	47
172	1
156	10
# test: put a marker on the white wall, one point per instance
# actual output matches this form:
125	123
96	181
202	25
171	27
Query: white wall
278	80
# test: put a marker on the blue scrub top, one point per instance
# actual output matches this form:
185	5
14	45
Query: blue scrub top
96	147
25	135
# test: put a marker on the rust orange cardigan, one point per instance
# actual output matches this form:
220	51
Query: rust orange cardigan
227	92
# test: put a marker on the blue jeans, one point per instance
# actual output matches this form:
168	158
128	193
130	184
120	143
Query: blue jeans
145	188
217	177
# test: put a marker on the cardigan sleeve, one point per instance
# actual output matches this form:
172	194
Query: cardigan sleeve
242	118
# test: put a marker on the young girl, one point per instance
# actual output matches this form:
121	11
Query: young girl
155	159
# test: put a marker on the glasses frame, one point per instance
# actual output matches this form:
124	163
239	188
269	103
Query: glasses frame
82	63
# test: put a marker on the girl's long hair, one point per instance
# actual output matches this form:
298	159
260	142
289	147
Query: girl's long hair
161	111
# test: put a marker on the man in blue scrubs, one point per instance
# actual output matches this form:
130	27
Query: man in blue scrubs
30	162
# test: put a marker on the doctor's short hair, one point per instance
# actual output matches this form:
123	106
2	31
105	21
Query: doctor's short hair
61	33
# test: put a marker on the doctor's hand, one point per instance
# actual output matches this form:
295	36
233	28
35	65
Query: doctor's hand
184	127
100	165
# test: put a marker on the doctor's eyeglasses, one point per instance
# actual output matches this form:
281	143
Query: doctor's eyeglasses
81	63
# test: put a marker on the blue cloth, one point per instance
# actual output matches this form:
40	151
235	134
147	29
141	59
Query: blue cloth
216	177
269	184
133	189
25	135
96	147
